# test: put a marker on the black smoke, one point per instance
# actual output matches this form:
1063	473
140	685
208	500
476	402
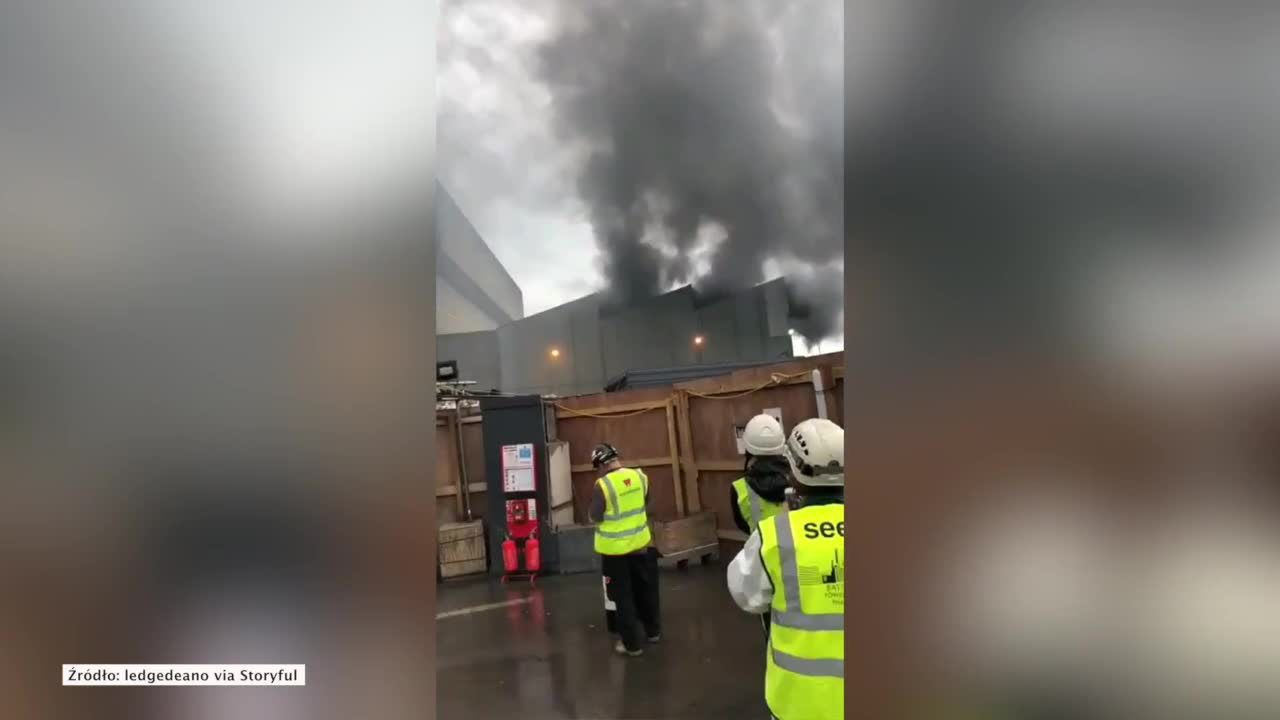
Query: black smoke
711	136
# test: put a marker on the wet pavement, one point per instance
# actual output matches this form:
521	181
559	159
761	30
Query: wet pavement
550	656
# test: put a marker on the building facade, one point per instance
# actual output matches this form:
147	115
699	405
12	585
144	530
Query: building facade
474	293
578	347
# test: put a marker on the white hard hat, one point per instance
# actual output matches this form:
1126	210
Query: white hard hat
815	450
763	436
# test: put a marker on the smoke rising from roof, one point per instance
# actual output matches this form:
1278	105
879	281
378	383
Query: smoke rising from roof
711	142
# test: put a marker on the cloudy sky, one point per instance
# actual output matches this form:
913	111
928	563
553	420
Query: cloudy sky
543	101
497	150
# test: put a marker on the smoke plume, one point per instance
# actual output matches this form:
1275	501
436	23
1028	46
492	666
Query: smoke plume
711	142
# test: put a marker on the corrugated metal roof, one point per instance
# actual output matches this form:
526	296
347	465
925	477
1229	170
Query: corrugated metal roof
659	377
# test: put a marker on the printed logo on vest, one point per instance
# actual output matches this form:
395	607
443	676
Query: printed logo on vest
837	572
830	578
833	582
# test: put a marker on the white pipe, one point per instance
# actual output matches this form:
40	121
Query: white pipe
820	394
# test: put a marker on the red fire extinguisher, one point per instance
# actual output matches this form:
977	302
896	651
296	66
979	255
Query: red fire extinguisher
510	559
532	554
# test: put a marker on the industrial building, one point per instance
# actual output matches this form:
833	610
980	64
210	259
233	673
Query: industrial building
583	345
474	293
579	347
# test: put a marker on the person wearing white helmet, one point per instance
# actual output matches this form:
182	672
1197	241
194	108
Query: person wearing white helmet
792	567
758	495
760	492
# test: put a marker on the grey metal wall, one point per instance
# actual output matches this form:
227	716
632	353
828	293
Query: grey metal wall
596	346
525	348
476	354
657	334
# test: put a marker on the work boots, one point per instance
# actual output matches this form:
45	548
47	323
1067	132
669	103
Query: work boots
621	649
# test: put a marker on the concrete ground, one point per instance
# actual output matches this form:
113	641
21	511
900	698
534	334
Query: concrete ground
548	655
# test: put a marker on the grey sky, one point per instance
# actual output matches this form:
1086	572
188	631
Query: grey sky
498	154
316	112
517	178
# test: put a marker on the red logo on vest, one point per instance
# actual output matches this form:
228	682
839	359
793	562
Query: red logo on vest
627	482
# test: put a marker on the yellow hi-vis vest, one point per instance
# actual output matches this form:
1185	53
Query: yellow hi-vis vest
803	551
625	526
754	508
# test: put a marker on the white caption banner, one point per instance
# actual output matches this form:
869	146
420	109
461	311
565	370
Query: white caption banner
144	675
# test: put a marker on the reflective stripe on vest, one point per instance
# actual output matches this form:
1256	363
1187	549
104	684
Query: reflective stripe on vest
624	527
794	616
754	509
802	552
613	503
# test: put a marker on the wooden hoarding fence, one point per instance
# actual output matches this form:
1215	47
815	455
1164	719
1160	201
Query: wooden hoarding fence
692	436
708	409
727	390
456	477
659	449
688	466
676	479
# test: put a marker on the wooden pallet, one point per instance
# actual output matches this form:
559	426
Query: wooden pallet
461	550
706	553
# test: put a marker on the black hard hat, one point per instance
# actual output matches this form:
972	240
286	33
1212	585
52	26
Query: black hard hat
603	453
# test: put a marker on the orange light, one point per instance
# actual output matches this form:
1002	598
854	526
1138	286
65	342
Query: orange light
697	340
555	352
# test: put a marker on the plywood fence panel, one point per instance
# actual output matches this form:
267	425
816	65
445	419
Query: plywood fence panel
582	482
635	423
790	371
712	421
713	486
615	399
661	482
446	473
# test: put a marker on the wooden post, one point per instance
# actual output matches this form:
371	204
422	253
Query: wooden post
464	482
455	435
829	388
688	463
676	480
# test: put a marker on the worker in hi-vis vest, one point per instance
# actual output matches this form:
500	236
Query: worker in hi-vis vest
629	563
759	494
793	567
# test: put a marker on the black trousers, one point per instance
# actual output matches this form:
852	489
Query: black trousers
631	584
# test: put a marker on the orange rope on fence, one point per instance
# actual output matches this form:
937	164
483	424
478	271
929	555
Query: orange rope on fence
609	417
775	379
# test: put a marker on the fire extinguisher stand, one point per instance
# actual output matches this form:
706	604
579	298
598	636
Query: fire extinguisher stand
519	490
512	551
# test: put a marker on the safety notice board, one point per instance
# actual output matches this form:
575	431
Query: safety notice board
517	468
